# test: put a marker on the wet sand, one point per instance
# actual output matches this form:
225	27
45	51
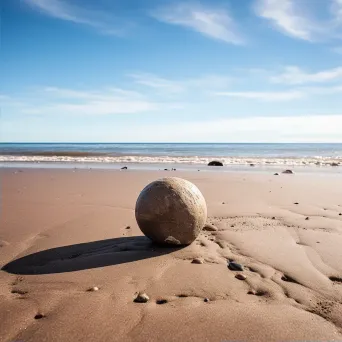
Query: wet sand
63	232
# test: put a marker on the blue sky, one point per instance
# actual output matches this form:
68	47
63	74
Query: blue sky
171	71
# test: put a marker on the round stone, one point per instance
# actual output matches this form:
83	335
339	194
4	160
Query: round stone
171	211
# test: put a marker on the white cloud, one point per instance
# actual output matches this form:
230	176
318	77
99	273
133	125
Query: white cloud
103	107
211	22
110	93
284	15
204	83
208	82
52	100
268	96
156	82
65	10
337	9
297	18
322	90
295	75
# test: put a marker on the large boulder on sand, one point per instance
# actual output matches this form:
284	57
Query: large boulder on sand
171	211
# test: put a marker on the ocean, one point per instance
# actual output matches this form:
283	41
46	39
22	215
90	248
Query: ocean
176	153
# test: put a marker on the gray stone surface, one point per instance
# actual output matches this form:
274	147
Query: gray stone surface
171	211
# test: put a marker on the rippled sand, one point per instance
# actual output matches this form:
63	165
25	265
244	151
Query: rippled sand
64	232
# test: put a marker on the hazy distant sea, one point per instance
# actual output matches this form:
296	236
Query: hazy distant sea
177	153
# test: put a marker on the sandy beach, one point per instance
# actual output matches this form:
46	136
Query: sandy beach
65	233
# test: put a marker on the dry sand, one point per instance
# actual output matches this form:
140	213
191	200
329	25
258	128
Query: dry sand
63	232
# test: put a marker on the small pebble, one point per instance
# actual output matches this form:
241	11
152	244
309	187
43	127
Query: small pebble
276	174
340	214
251	292
241	276
197	261
39	316
141	298
161	301
93	289
307	219
223	203
273	218
206	300
296	203
128	227
210	227
234	266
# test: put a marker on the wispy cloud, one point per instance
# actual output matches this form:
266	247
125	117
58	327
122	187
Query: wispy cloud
337	9
215	23
295	75
59	101
204	83
268	96
109	93
65	10
156	82
288	17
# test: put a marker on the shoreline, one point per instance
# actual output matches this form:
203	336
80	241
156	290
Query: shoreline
132	166
165	159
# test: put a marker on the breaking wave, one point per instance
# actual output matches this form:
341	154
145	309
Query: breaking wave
303	161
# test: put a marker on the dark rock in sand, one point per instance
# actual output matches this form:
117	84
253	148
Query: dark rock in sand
273	218
124	168
276	174
296	203
128	227
241	276
206	300
197	261
210	228
141	297
340	214
251	164
307	218
234	266
335	164
288	172
215	163
39	316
